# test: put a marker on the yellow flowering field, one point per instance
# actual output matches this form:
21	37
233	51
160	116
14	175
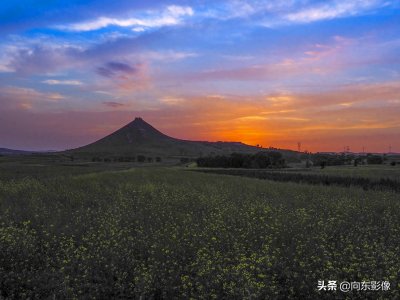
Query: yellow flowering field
164	233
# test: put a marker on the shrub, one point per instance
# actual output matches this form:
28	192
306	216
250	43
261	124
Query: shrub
260	160
184	160
141	158
329	159
374	159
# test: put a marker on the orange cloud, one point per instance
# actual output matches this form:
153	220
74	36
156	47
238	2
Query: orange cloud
320	120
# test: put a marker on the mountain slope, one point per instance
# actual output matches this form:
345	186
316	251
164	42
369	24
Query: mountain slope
139	137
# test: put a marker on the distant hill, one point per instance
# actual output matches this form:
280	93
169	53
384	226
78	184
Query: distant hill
139	137
6	151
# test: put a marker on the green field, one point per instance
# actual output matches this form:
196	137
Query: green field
96	231
368	171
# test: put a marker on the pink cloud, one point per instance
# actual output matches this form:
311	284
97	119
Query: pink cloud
113	104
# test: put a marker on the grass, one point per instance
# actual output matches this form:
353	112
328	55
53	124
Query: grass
51	166
168	233
312	176
366	171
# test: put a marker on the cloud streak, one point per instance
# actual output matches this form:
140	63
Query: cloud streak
125	76
172	15
113	104
113	68
37	56
12	97
334	9
284	13
62	82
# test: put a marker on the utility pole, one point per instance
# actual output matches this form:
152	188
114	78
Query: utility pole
299	146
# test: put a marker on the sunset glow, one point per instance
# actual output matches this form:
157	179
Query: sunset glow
323	73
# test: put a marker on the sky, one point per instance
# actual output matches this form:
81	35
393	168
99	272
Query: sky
273	73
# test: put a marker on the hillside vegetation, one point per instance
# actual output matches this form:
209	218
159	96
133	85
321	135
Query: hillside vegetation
140	138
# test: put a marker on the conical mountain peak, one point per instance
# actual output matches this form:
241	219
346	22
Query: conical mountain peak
141	127
139	137
138	122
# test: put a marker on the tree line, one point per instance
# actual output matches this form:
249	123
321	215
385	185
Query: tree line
383	184
139	158
260	160
323	159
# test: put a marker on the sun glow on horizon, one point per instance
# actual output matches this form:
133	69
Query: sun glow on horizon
325	74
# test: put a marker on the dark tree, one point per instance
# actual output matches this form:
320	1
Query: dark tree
237	160
184	160
276	159
374	160
260	160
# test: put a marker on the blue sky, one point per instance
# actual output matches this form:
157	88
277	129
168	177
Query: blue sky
325	73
